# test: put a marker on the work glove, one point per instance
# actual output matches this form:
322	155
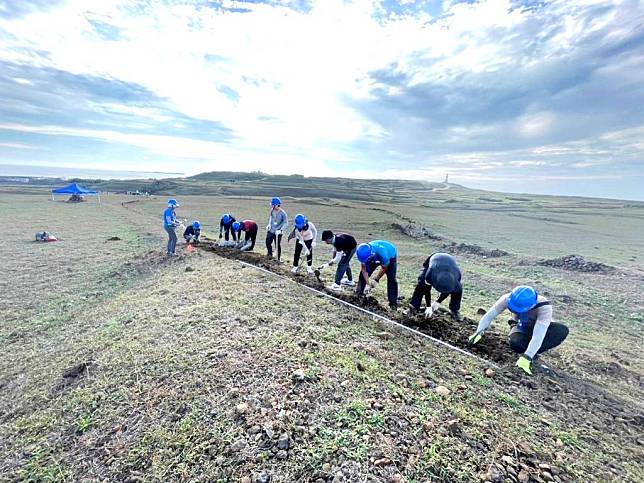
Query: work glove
367	290
373	283
268	227
314	244
307	252
525	363
475	338
278	232
429	311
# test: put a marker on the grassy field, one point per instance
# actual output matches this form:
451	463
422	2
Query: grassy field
118	364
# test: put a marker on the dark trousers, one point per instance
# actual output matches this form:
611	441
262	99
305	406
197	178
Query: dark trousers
298	252
344	267
392	283
422	289
270	238
172	239
555	335
250	235
228	232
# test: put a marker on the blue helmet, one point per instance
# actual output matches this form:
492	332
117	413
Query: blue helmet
172	203
226	218
196	224
237	226
522	299
364	252
276	201
300	220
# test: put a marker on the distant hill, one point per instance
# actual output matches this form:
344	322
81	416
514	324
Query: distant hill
226	183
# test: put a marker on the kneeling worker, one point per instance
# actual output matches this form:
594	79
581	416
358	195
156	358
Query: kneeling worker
533	330
192	232
441	272
249	227
378	253
344	247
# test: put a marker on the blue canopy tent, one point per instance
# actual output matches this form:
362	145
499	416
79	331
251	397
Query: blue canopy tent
74	189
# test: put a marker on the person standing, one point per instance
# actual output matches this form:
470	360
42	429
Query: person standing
383	254
225	225
344	248
250	228
533	330
305	235
441	272
277	223
170	224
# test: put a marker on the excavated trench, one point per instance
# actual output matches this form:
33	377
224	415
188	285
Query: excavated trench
494	347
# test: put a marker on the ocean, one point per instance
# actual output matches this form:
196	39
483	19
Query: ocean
68	172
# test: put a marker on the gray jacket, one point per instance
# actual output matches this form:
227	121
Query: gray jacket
278	220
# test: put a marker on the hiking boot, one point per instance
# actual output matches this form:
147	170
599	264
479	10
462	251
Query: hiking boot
335	287
310	270
295	269
348	283
393	308
456	315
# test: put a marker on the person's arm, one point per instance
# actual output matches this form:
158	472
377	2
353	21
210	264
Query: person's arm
315	232
492	314
544	317
381	273
363	271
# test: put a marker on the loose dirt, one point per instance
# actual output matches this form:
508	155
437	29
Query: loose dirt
577	263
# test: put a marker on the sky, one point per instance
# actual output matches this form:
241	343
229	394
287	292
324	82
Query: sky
521	96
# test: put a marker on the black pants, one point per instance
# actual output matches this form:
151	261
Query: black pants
422	289
298	252
228	232
250	235
270	238
344	267
555	335
392	283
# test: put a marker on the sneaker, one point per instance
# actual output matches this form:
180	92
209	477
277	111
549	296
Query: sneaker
295	269
348	283
310	270
456	315
335	287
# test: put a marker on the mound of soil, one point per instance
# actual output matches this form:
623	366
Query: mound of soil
577	263
477	250
416	231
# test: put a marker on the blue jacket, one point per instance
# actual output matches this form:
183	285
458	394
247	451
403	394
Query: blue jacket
384	251
169	218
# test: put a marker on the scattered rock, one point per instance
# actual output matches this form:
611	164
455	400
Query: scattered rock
547	476
384	335
481	311
246	479
189	269
360	366
284	441
452	426
282	454
298	375
508	460
397	478
238	446
263	477
241	409
524	476
489	372
442	390
382	462
326	467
